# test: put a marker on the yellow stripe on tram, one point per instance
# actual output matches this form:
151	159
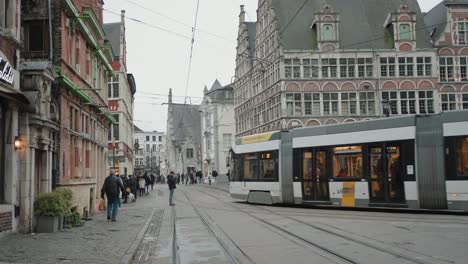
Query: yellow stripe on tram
348	194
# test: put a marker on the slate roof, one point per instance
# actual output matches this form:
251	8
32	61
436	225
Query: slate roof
113	35
216	85
361	22
186	123
136	129
437	16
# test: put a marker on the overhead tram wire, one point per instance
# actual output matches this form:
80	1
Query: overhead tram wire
178	21
294	17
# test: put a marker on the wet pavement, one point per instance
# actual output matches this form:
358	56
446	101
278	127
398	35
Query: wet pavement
208	226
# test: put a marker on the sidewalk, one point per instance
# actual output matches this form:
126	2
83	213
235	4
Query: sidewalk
98	241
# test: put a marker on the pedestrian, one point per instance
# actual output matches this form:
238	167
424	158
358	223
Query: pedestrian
125	185
133	186
171	181
209	178
147	183
111	188
199	177
182	178
152	180
192	181
215	175
141	185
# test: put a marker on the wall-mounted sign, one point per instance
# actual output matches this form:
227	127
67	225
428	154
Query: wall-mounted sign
6	71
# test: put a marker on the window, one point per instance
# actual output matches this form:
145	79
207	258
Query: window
115	127
392	97
312	103
189	153
160	138
250	167
154	138
147	138
462	156
292	68
367	103
330	103
72	119
347	68
310	67
208	120
347	162
463	67
36	36
426	102
148	148
348	103
424	66
328	32
387	67
113	87
408	102
365	67
405	66
227	141
448	101
446	69
465	101
268	166
208	143
329	68
405	32
462	32
294	104
154	148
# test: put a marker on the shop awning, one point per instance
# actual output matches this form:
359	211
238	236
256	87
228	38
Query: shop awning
13	94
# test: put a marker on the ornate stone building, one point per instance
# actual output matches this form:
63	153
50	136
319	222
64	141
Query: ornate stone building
333	62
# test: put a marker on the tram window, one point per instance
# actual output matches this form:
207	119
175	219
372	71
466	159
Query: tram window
237	172
347	162
250	166
462	156
268	161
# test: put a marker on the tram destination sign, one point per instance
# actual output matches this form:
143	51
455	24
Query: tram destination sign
6	71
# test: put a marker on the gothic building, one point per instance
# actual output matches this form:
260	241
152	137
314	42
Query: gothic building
345	61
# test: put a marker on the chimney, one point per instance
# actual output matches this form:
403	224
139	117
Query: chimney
170	95
242	15
122	16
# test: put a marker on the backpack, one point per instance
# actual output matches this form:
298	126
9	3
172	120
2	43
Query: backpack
111	187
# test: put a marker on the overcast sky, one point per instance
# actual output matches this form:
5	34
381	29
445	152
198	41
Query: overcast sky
159	59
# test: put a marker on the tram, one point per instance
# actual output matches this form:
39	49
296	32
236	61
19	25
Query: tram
418	162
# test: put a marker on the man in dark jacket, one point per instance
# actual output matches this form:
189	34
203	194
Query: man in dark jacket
111	188
171	181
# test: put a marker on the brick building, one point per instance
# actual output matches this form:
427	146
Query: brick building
344	61
121	90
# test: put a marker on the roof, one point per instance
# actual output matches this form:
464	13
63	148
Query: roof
131	82
136	129
223	95
113	35
186	122
361	23
436	18
216	85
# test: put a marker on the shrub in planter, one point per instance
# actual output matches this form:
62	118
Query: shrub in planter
48	208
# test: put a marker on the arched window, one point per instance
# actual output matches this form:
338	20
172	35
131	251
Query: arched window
328	32
405	33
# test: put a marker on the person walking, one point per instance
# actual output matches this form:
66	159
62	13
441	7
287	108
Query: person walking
152	180
133	185
171	181
215	175
141	185
111	188
126	188
199	177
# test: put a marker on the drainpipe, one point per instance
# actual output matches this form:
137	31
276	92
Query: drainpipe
51	45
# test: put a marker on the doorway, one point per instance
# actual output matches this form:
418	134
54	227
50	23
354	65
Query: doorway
314	176
386	183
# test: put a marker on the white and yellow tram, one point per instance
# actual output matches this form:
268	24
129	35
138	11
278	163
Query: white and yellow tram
416	162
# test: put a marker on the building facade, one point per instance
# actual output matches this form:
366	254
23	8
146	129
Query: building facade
121	90
217	127
82	60
183	139
326	67
150	155
12	102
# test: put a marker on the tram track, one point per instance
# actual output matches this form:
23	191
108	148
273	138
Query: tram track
418	259
234	254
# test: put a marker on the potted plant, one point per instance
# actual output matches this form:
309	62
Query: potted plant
48	208
67	196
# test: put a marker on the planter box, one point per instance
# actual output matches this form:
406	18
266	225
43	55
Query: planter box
47	224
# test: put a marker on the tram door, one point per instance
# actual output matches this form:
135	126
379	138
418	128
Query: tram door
386	176
314	176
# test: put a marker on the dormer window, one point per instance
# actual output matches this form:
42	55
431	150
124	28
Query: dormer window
328	32
405	32
462	32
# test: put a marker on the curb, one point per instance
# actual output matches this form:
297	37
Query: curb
132	250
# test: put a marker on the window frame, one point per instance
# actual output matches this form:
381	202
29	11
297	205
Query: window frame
451	159
444	69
